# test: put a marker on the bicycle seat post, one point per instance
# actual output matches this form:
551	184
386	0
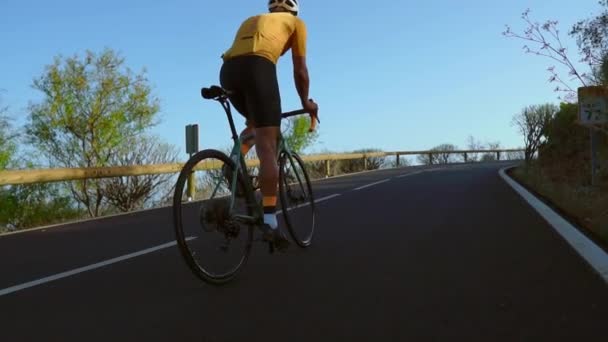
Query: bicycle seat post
220	95
226	105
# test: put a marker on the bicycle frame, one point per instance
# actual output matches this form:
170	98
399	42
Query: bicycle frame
240	163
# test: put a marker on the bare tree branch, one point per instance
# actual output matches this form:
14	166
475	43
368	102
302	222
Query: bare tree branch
553	48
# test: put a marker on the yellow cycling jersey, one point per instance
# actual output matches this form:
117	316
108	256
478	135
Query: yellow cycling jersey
269	35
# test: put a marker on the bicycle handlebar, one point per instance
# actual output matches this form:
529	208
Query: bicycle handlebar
313	124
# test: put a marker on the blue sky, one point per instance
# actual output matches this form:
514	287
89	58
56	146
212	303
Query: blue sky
395	75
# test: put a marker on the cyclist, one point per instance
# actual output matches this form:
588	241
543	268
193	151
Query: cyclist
249	72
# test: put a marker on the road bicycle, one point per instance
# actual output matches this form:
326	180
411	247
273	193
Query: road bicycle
217	207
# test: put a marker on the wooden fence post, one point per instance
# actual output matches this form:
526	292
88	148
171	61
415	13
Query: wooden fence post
191	187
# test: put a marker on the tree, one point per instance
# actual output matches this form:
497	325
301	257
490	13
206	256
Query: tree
91	107
491	156
441	155
7	139
515	155
532	123
27	206
356	165
547	43
476	145
131	193
297	135
591	37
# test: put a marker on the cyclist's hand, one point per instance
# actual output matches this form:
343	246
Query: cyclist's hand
313	109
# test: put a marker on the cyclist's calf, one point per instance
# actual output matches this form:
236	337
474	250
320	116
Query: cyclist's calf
266	148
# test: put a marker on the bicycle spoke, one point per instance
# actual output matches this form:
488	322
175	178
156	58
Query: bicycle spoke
224	241
295	192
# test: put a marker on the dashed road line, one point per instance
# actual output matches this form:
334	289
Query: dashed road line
66	274
323	199
410	174
370	185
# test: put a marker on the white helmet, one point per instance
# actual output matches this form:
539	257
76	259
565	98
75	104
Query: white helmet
290	5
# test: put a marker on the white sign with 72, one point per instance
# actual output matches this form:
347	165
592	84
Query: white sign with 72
593	110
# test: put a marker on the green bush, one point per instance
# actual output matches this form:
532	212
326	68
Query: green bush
27	206
565	155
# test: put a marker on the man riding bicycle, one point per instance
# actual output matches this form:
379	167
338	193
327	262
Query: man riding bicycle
249	72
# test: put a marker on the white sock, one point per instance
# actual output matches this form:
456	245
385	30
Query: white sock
271	220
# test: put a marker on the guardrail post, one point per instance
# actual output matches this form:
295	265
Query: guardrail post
191	186
466	157
497	155
364	163
397	160
327	168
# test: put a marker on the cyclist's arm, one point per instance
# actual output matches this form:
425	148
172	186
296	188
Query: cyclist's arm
300	69
301	78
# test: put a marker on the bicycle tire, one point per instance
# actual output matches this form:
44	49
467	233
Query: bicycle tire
302	241
178	220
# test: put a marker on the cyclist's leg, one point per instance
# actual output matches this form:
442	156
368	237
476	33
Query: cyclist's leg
233	76
264	106
248	137
266	148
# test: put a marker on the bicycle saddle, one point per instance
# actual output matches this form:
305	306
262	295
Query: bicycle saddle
213	92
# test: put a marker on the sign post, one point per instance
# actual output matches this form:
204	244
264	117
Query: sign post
191	148
593	110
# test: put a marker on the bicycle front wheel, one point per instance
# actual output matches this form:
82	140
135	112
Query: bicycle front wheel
297	200
207	205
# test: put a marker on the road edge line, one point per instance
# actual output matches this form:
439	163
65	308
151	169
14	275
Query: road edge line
594	255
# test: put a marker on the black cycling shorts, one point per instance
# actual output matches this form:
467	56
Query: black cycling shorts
255	89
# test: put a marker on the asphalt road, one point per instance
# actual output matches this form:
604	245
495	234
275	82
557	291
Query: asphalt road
441	255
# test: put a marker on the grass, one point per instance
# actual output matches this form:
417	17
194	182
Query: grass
586	206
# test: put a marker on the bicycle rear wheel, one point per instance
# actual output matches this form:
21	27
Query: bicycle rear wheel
213	242
297	199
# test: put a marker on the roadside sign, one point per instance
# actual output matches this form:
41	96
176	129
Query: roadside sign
593	105
593	110
191	139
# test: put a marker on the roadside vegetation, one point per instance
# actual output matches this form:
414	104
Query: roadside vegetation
558	149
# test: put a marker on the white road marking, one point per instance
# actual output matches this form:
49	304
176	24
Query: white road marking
370	185
587	249
279	212
327	198
66	274
410	174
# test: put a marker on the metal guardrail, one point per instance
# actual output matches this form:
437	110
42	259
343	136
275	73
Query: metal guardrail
19	177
